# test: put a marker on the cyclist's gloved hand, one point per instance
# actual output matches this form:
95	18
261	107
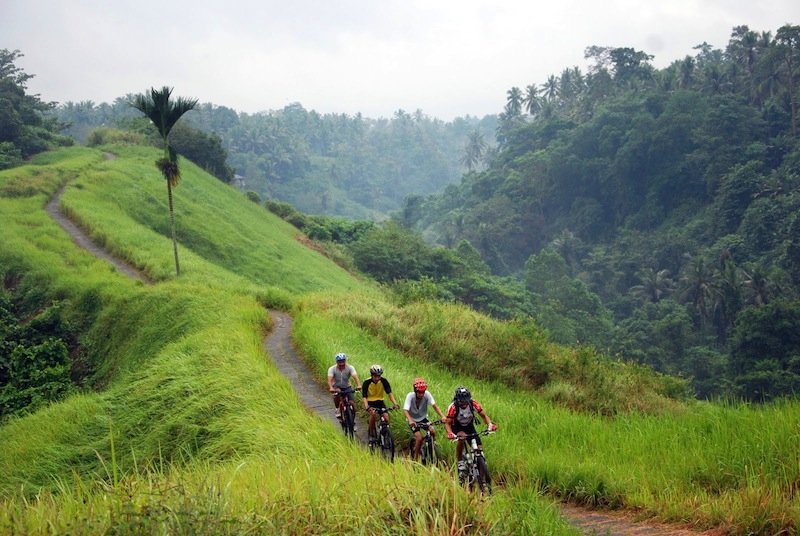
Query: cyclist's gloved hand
413	425
395	407
451	435
493	427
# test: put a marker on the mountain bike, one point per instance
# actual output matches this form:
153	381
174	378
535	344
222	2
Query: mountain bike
347	412
380	436
476	471
429	453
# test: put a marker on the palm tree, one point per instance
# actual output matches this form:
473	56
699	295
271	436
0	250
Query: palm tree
531	100
551	88
164	113
698	287
473	150
655	285
514	102
788	40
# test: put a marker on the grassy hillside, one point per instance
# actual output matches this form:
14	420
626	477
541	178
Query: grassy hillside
188	428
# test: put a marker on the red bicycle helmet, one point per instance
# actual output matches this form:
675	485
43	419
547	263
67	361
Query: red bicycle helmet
420	385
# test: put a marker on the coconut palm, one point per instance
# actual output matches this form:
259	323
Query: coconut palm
473	150
531	100
655	285
164	113
514	102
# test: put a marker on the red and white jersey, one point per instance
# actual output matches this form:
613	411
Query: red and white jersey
463	416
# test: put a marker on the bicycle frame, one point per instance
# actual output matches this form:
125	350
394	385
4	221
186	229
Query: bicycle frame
476	468
381	435
347	411
429	450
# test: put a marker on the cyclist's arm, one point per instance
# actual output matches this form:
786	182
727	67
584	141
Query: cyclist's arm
439	412
365	393
358	382
485	418
330	383
409	418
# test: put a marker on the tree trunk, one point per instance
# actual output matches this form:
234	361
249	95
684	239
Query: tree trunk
172	226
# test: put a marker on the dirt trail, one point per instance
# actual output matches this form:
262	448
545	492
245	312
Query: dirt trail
316	398
53	208
279	347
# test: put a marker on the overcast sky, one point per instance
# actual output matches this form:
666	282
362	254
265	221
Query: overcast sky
448	58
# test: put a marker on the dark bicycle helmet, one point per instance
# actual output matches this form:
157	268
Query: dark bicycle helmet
376	369
341	357
462	394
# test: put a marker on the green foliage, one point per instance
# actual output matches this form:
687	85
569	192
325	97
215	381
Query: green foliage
253	196
24	129
287	212
191	421
765	356
203	149
677	184
35	364
563	304
389	253
105	136
333	164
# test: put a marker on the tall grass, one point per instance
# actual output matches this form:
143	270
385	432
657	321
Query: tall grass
190	429
725	465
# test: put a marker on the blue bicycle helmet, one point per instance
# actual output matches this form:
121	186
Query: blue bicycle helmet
341	357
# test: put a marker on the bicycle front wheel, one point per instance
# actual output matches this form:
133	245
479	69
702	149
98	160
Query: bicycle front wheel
349	419
484	478
387	445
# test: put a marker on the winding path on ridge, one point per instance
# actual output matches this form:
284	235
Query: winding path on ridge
278	346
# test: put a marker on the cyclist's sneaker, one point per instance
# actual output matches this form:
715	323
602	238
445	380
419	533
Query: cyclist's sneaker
338	415
355	427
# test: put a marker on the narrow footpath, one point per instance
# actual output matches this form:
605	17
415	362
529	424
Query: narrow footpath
278	346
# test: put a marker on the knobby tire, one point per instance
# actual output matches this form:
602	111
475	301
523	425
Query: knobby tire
387	445
349	421
484	478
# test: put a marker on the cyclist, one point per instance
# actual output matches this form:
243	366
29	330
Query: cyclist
461	421
339	376
374	392
415	408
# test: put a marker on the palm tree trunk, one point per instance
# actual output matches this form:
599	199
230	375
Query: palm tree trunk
172	226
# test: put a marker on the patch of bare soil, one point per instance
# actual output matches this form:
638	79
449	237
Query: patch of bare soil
621	523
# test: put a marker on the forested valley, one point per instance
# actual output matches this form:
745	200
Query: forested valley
651	213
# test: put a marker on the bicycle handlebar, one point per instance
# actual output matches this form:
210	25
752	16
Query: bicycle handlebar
473	436
381	411
427	425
